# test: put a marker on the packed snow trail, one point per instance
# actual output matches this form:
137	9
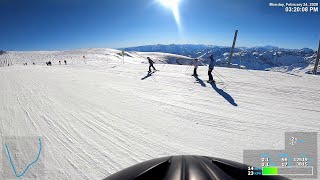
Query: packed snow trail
95	120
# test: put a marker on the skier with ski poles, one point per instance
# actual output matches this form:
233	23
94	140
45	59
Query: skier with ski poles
151	64
195	64
211	66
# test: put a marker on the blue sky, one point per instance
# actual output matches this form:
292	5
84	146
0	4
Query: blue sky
71	24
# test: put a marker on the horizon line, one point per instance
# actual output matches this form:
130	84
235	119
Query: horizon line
122	48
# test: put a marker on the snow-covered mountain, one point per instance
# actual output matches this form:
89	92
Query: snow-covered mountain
91	56
258	58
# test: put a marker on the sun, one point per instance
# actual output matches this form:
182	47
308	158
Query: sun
170	3
173	5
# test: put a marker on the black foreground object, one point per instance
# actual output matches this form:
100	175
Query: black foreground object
187	168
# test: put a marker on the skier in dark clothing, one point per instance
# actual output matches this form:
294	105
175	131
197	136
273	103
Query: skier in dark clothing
211	66
65	62
151	65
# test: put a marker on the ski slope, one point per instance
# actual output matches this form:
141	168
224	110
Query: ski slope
100	56
98	118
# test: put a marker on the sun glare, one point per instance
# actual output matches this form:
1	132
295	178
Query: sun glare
170	3
173	5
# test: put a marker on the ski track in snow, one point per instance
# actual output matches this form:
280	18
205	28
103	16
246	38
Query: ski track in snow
95	120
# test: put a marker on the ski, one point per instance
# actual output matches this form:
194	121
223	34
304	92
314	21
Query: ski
214	82
151	72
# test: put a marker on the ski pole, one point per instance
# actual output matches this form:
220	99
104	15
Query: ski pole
219	74
219	78
164	64
187	69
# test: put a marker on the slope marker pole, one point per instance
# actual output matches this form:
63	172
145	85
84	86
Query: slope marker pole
232	49
317	61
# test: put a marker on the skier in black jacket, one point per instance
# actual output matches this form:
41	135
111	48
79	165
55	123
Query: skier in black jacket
151	65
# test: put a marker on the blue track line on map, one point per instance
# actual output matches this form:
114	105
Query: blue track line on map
12	165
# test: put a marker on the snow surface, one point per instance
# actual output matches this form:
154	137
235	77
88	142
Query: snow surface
98	118
92	56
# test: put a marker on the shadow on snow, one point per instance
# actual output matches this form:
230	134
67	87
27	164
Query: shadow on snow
225	95
148	75
200	81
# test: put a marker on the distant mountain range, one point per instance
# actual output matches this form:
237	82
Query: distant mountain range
260	58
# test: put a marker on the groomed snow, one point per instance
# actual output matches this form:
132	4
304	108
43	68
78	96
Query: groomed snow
98	118
98	56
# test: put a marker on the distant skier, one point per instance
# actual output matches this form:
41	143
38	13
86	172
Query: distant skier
65	62
151	64
211	67
59	62
195	64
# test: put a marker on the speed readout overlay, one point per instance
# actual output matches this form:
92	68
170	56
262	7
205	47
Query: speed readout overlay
298	159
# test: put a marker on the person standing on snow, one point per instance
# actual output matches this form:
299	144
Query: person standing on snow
195	64
151	65
211	66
